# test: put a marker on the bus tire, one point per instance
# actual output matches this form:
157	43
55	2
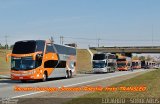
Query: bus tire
109	70
45	76
67	74
71	75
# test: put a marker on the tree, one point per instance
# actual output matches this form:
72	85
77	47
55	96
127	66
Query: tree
135	57
149	58
1	46
142	58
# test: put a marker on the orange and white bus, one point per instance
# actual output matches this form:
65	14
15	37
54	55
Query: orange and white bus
124	63
136	64
40	59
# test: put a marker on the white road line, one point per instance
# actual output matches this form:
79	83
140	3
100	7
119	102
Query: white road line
3	84
75	84
4	76
27	94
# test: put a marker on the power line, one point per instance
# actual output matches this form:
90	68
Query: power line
95	39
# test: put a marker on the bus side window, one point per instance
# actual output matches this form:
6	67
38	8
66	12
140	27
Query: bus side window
40	46
50	64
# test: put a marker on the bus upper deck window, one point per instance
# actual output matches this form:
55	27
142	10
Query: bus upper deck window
49	48
40	46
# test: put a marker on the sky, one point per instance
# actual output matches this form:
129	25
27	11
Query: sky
113	22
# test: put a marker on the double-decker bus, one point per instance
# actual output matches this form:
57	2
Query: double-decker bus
104	62
124	63
40	59
136	64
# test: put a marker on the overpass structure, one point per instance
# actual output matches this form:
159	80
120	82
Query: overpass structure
128	50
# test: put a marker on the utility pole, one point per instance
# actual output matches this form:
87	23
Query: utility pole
98	41
61	40
52	40
6	41
152	36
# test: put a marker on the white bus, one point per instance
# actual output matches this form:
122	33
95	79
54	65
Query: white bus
104	62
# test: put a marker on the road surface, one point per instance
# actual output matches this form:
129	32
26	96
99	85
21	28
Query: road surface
7	86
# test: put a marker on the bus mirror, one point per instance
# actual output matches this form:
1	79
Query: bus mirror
9	54
37	55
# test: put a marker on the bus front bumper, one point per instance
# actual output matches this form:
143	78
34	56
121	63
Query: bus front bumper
25	76
99	70
122	69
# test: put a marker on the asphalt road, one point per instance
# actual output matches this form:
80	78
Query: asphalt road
7	86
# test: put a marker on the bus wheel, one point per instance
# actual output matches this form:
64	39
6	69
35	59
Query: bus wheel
67	74
109	70
70	74
45	76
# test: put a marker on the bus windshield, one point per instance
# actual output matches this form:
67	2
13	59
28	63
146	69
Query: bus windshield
23	63
133	64
121	59
99	57
111	64
100	64
121	64
111	57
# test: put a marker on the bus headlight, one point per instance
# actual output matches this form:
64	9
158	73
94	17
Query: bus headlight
32	72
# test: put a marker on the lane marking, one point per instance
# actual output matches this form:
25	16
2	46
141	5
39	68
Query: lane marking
27	94
91	81
3	83
4	76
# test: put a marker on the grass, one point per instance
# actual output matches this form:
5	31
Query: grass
4	66
83	61
150	80
93	51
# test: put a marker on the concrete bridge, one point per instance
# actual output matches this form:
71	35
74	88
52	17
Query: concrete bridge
128	50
